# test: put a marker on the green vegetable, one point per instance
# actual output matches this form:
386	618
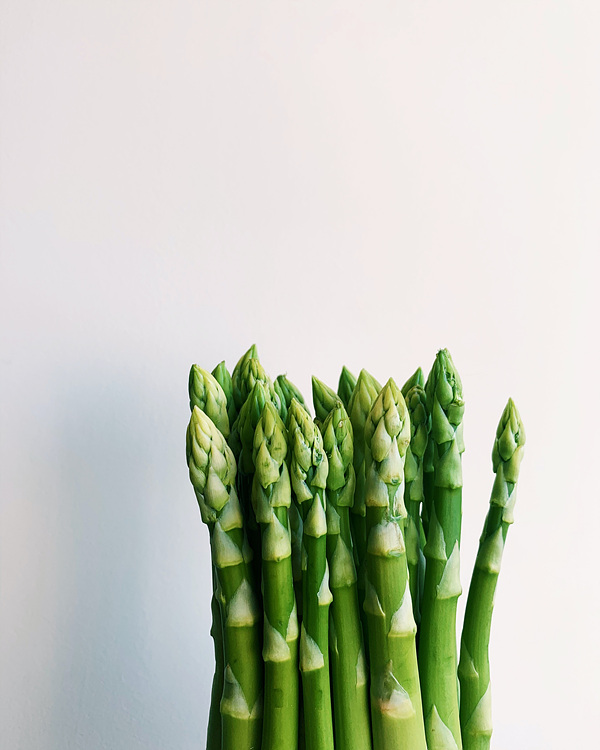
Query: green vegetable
437	635
324	400
474	665
420	425
212	473
271	498
223	378
309	477
346	386
396	711
206	393
348	670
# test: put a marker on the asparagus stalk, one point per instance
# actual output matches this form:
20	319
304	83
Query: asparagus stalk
212	473
324	400
271	498
346	386
362	399
309	476
420	425
474	666
206	393
396	711
437	636
223	378
352	726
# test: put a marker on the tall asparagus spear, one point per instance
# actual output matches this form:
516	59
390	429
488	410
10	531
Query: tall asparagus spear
420	425
346	385
396	711
362	399
271	498
437	635
309	477
324	400
223	378
474	666
206	393
352	725
212	473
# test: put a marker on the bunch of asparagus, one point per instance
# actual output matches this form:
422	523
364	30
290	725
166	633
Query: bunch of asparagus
335	560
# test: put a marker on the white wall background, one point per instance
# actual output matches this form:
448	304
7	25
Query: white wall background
340	182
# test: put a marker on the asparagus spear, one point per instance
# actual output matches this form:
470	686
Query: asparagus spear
223	378
361	401
396	711
474	666
437	635
346	385
417	378
206	393
309	476
324	400
420	425
236	375
271	498
286	391
348	673
212	473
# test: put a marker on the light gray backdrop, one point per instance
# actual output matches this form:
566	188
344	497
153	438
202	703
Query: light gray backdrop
340	182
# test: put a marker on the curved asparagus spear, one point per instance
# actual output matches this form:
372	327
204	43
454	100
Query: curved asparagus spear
324	400
212	473
223	378
346	385
206	393
271	498
309	477
396	711
352	725
437	635
362	399
420	424
474	666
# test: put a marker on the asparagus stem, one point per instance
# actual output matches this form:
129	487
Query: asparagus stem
223	378
206	393
437	637
212	473
361	401
271	498
346	385
352	725
420	425
213	733
474	666
396	711
309	476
